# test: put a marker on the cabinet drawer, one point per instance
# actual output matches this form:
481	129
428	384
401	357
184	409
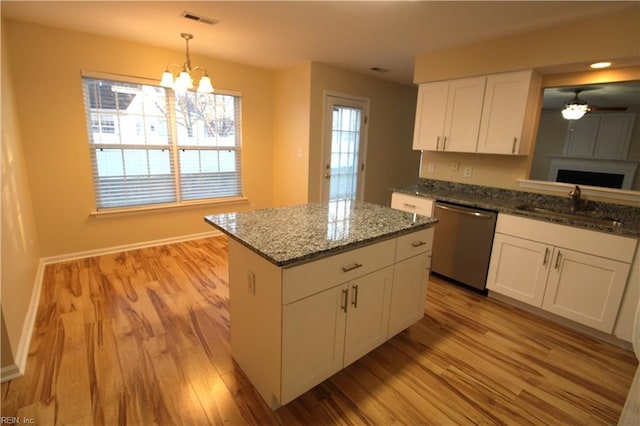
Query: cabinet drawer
413	244
313	277
412	204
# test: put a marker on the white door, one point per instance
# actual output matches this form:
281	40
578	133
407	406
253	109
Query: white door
585	288
367	314
345	132
519	268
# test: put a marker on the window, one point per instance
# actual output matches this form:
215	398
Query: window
150	145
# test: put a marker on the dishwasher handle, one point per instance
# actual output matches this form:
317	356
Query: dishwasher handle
464	211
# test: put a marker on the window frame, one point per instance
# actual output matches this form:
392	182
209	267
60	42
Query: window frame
173	146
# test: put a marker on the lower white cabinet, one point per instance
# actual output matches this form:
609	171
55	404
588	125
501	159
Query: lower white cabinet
577	274
585	288
412	204
292	328
519	268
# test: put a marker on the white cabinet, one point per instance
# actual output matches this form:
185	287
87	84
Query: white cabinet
293	327
412	204
577	274
519	268
325	332
488	114
585	288
508	113
448	115
600	135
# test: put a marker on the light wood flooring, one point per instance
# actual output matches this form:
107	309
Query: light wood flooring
142	338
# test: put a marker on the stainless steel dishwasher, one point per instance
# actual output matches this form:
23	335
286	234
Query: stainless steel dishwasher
462	243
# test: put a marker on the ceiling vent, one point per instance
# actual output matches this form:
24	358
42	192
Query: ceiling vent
199	18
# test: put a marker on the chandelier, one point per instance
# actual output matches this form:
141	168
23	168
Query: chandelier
184	80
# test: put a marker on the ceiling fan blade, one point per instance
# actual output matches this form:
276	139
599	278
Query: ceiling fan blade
597	108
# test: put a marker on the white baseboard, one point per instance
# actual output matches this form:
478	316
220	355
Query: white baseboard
108	250
17	369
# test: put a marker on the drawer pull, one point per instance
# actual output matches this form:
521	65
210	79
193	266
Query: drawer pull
410	206
546	257
418	243
354	296
345	297
558	260
352	267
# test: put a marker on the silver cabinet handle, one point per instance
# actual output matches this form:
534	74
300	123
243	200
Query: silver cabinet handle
546	256
513	148
418	243
352	267
411	206
354	296
345	297
438	143
444	143
558	260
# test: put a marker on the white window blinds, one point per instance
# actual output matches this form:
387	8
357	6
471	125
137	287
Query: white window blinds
150	145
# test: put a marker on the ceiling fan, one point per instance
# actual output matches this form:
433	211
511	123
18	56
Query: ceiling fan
576	108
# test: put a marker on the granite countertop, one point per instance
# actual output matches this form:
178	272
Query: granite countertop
290	235
507	201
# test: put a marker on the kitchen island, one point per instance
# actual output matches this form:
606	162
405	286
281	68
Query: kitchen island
315	287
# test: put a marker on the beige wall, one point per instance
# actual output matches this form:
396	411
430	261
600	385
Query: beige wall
390	160
291	135
20	250
608	37
51	119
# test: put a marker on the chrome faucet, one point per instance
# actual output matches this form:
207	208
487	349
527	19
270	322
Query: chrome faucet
575	196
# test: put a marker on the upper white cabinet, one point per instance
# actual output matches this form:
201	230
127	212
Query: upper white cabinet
508	113
450	113
489	114
600	135
577	274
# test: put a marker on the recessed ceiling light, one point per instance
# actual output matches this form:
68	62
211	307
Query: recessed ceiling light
599	65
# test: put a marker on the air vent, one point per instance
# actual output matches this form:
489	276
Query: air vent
199	18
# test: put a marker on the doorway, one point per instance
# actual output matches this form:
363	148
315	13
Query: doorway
344	143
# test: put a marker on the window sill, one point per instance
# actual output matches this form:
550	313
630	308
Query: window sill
167	207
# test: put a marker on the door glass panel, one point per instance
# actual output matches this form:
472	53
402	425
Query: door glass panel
344	153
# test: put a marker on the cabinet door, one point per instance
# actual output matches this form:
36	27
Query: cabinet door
581	136
464	110
519	268
614	136
430	112
585	288
367	314
503	113
312	340
410	279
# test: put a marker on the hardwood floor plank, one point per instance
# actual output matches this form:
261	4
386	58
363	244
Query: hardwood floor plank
143	338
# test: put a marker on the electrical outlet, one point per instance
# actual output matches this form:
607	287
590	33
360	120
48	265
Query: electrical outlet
431	167
468	171
455	166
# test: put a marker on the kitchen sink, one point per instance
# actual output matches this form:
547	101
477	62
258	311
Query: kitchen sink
581	216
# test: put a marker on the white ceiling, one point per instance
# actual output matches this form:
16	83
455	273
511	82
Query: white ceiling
355	35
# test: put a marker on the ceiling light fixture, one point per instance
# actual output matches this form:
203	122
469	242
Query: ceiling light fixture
184	80
599	65
575	109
